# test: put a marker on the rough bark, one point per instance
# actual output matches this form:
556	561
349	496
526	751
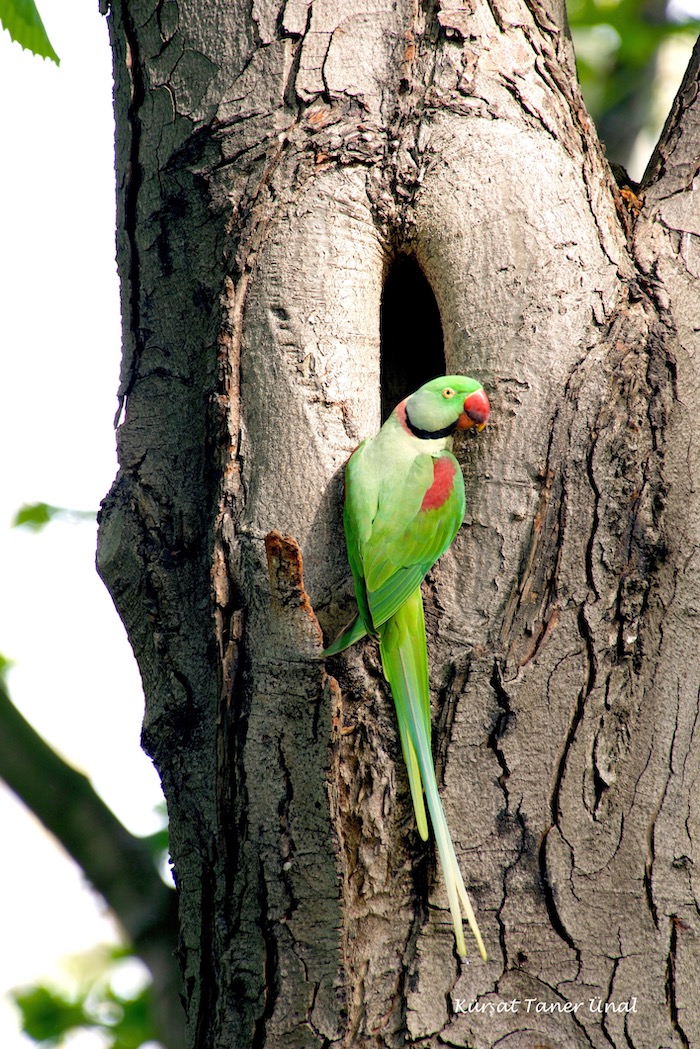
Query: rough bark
272	163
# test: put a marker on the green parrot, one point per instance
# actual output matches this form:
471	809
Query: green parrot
404	503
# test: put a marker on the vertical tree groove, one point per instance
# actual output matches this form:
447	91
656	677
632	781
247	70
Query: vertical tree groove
276	166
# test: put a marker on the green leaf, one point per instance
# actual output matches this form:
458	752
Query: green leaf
5	665
158	843
134	1023
47	1015
36	516
33	515
615	40
23	22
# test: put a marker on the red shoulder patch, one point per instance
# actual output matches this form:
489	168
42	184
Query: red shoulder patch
444	471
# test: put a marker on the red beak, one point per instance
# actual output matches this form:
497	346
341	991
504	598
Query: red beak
476	411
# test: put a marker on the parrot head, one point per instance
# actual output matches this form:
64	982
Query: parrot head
447	403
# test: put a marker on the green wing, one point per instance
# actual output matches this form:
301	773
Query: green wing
405	541
391	541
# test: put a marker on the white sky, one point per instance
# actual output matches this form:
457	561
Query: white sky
75	678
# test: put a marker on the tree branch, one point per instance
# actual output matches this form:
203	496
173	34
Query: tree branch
672	165
118	864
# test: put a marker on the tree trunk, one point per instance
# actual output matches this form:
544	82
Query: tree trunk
273	165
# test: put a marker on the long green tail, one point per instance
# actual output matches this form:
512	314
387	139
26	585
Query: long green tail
352	633
405	662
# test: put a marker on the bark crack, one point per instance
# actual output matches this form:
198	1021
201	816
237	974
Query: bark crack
287	846
550	901
503	721
270	966
671	986
590	561
589	648
649	864
208	982
133	179
609	993
536	581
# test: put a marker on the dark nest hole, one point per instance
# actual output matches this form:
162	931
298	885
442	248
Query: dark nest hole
412	345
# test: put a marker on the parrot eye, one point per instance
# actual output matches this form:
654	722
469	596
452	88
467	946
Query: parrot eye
448	392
